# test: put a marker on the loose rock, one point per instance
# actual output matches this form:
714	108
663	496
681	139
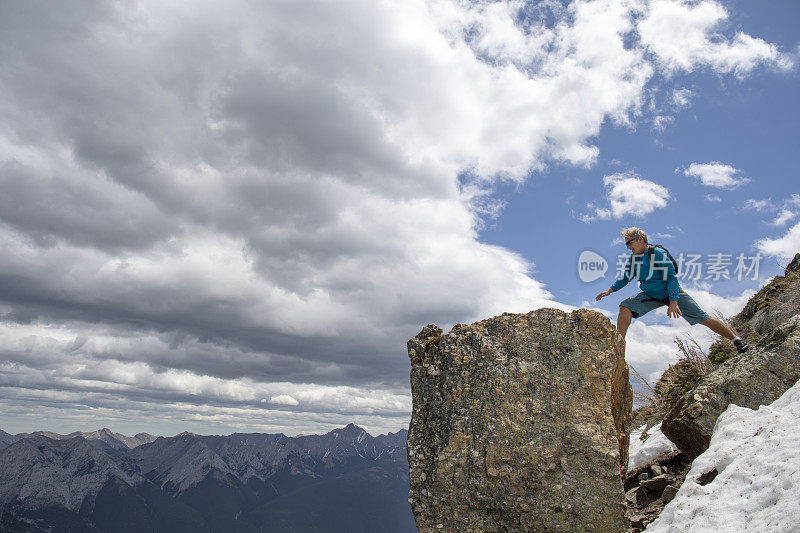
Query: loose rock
669	493
658	483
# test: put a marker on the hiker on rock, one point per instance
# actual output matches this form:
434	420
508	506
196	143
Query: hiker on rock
655	269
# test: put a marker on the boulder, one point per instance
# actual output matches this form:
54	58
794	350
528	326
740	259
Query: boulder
520	423
771	324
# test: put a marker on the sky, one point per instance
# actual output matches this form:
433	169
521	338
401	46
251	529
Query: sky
220	217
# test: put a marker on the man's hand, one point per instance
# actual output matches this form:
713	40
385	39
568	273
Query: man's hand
673	311
603	295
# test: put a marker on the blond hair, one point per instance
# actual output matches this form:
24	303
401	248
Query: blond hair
633	233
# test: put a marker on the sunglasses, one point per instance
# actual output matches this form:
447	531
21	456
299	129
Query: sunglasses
628	243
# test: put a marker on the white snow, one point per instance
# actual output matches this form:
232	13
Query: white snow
757	455
642	451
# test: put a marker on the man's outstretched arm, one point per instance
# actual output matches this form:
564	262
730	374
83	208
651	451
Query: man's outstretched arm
603	295
621	282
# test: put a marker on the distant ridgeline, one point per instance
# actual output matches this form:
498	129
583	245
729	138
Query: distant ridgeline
343	481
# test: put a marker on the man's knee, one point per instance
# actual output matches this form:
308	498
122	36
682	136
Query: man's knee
625	311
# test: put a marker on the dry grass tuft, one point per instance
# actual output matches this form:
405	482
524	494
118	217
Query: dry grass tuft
650	409
693	354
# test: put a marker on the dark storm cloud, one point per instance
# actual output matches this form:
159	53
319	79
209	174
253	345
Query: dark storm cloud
216	201
219	338
52	204
308	124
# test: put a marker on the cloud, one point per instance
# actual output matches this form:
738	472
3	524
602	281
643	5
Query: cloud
283	399
759	205
660	122
784	211
782	247
783	217
788	245
713	198
682	98
650	349
629	195
716	174
204	208
716	305
681	36
664	114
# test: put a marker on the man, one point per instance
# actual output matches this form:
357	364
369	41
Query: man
656	274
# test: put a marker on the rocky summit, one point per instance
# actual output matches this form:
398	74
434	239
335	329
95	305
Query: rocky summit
520	423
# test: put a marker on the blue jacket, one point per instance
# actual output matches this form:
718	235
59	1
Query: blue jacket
657	280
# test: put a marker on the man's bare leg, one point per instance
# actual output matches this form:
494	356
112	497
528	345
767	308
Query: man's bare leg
624	320
719	327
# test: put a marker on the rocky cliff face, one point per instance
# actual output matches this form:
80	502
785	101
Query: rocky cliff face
770	308
519	423
771	324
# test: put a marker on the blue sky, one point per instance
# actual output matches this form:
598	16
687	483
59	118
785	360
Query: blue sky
232	218
749	124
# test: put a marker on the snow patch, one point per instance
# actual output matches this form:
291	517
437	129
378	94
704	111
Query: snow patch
644	450
757	487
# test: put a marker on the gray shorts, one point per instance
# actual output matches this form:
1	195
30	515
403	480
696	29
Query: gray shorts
641	304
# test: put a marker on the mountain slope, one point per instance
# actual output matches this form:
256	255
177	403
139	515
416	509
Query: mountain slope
345	480
40	471
379	491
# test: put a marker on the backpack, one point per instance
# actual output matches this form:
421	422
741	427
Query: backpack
650	253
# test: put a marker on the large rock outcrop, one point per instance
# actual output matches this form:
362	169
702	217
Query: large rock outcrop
771	324
520	423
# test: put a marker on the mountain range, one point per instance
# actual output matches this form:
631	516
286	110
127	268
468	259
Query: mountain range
105	439
344	480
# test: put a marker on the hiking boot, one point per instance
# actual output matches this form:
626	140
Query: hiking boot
741	346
